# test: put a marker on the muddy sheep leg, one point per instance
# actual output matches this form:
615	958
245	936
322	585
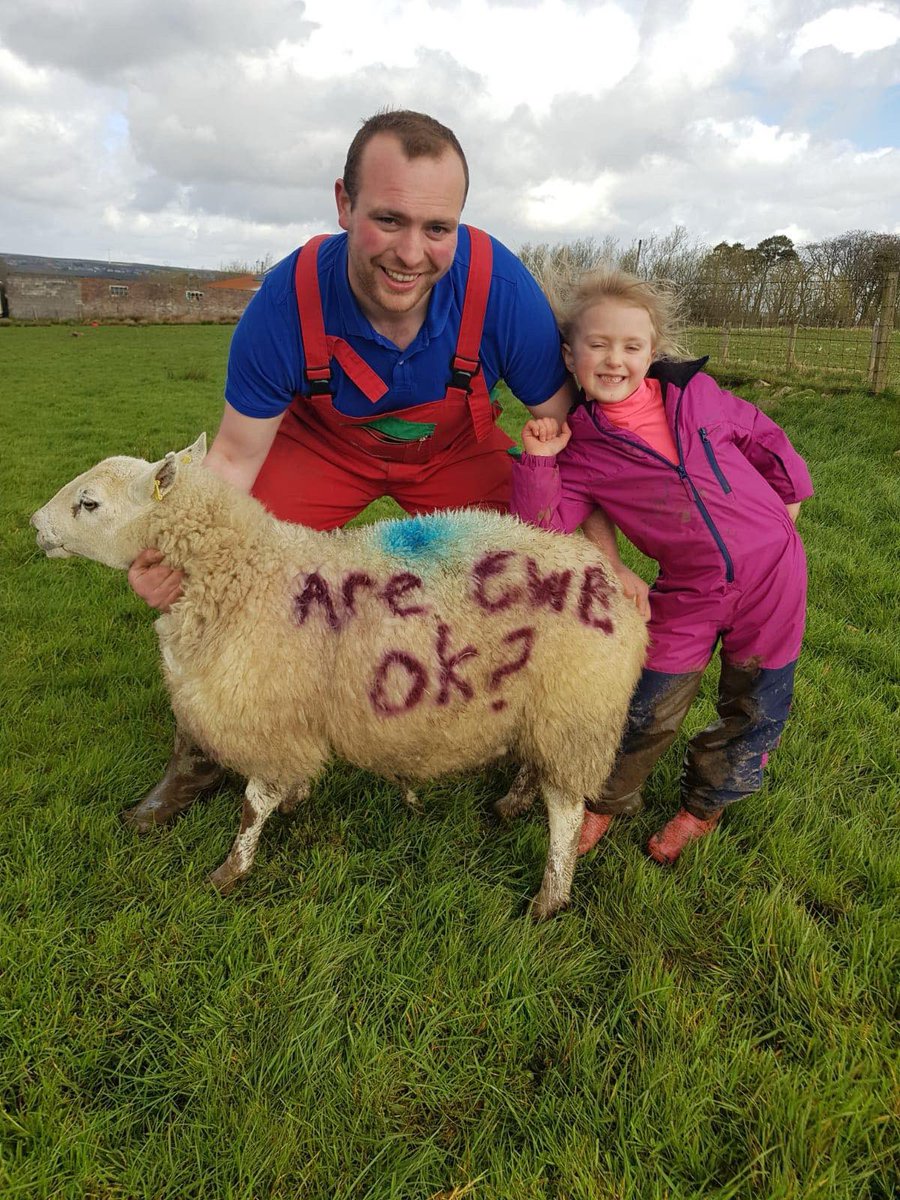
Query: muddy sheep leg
520	796
260	800
564	813
294	796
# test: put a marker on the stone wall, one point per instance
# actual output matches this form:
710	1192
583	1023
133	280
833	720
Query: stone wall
45	298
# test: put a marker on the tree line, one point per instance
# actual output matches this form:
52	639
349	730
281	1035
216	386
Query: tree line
838	281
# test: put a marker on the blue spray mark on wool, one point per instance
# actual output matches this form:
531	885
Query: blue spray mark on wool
421	538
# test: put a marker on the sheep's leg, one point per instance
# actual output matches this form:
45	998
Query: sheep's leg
294	796
520	796
260	800
564	814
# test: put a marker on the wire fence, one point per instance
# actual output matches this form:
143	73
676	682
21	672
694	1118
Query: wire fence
840	355
797	324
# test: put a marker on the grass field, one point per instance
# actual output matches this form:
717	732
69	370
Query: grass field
371	1015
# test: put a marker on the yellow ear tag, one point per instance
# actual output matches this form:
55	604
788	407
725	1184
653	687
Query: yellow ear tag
185	458
157	494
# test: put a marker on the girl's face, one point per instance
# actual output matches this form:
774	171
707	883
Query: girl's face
610	350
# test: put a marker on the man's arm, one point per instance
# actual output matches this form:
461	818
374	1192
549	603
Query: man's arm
240	447
599	529
236	455
559	404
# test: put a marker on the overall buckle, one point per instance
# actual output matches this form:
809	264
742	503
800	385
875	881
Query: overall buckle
461	376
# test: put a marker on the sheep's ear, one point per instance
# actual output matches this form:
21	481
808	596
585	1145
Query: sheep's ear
195	453
158	481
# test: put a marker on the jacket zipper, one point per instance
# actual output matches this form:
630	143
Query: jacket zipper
711	457
681	471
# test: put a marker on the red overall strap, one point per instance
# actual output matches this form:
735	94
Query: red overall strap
318	347
312	324
466	363
368	381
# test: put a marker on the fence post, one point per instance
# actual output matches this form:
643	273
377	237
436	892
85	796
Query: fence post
885	330
870	370
723	352
792	341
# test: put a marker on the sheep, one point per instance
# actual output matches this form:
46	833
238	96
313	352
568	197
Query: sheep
410	648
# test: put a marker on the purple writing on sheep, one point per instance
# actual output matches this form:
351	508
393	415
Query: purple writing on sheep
401	681
500	580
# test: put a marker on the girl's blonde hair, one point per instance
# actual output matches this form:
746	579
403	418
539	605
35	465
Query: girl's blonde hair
571	295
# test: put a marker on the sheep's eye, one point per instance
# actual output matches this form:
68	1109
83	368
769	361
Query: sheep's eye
89	505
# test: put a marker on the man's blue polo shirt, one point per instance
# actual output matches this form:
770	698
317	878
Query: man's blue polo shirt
520	343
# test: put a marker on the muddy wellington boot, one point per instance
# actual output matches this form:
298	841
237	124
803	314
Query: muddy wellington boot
188	773
593	828
596	824
667	843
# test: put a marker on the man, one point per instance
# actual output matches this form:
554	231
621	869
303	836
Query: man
363	366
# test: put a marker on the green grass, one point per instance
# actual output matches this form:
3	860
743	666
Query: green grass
371	1014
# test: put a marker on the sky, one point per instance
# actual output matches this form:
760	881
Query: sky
206	133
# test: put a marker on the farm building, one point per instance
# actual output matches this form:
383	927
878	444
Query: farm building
33	288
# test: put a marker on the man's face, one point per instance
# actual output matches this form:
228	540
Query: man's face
402	230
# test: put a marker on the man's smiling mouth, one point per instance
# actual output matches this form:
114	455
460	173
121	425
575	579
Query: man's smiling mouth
399	276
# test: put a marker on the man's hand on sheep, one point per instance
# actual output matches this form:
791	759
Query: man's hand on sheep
545	436
598	528
154	581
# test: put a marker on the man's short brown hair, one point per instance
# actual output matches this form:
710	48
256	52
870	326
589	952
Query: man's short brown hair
420	136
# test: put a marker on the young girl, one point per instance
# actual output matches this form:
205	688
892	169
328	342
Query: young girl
710	487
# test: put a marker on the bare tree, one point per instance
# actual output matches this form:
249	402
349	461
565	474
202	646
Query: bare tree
240	266
837	281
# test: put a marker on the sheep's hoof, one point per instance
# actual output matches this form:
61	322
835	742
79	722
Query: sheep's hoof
510	807
412	800
293	798
542	908
224	879
142	819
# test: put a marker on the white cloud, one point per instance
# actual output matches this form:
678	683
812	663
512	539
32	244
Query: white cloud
751	141
797	233
701	45
561	205
523	55
16	74
857	29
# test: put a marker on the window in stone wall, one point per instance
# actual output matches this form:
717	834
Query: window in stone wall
193	296
118	289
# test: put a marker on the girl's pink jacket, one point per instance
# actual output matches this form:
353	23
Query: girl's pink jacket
717	515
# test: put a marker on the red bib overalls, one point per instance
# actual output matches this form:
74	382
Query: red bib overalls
325	467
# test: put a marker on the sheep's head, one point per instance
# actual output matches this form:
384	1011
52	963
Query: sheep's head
99	515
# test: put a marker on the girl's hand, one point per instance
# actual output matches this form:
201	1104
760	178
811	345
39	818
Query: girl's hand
545	436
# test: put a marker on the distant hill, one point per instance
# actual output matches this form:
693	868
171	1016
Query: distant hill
85	268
